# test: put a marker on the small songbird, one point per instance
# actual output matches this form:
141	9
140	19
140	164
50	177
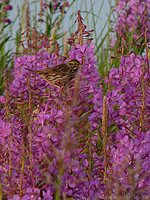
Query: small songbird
59	75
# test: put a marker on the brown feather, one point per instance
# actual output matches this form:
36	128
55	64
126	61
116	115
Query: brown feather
59	75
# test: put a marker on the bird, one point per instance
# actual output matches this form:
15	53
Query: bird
59	75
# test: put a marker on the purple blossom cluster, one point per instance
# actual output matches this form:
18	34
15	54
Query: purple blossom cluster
46	132
128	108
131	16
132	21
51	141
53	138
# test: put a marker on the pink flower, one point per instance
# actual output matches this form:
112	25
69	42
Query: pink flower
10	7
6	21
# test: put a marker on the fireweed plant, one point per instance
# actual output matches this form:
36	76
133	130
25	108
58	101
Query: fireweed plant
132	27
49	150
89	141
131	15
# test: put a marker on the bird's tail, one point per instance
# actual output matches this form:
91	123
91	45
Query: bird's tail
31	70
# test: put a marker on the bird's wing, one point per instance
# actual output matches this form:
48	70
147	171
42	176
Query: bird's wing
30	69
60	68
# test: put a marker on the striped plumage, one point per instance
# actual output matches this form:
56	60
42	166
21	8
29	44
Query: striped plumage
59	75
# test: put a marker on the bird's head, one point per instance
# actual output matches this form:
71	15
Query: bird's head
74	62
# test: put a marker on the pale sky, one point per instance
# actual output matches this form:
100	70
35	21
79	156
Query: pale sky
78	5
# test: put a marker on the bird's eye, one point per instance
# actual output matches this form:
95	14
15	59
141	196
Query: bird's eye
73	70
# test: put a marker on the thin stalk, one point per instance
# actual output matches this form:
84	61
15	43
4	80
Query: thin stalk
146	48
104	131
